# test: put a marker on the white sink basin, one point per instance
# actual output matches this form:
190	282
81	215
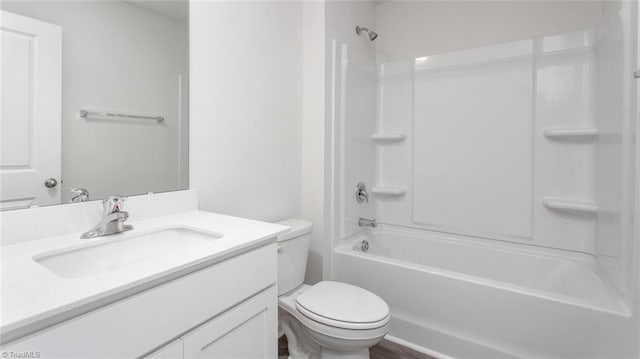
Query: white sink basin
120	250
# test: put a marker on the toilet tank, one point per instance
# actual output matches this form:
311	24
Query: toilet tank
293	249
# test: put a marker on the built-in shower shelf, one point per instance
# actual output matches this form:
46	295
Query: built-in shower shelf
388	137
570	205
388	191
568	133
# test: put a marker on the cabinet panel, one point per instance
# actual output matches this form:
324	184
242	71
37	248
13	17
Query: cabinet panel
246	331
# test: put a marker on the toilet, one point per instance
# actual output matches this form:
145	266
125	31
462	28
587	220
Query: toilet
329	319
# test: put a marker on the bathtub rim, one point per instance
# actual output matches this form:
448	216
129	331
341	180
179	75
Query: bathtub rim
618	307
481	242
417	347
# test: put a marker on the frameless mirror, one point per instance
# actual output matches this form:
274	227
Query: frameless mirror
94	100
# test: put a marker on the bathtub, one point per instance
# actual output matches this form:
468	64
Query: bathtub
474	298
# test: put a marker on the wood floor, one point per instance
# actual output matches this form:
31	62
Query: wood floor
390	350
384	350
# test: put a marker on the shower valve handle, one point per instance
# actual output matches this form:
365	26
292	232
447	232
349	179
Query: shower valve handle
361	193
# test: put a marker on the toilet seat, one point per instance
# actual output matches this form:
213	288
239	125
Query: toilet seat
342	325
342	305
287	303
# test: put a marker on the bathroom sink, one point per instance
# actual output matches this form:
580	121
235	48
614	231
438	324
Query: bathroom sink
114	252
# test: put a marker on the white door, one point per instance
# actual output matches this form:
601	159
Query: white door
30	120
248	331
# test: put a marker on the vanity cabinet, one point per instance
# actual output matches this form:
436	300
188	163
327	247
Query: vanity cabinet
242	332
224	310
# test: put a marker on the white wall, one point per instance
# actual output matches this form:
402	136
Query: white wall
418	28
257	146
313	135
258	121
246	108
121	58
634	253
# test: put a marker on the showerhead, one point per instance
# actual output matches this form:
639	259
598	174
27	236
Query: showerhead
372	34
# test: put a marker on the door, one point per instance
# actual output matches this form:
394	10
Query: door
246	331
30	119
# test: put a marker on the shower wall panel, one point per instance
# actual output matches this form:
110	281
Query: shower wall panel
486	153
616	145
351	100
472	165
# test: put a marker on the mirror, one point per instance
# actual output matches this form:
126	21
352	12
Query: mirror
94	100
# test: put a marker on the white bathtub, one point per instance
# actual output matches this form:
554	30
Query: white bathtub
474	298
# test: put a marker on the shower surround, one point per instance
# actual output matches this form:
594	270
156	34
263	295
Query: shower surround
501	163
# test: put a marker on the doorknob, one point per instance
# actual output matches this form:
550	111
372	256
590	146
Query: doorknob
50	182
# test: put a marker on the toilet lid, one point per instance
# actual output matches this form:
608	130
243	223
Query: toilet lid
343	305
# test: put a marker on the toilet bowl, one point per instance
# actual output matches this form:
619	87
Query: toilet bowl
329	319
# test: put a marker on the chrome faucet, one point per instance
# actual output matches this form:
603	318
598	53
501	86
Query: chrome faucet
112	220
364	222
79	194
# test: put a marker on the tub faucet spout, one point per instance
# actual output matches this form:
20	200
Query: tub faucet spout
365	222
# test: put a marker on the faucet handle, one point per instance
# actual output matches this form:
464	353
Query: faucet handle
361	193
113	204
79	194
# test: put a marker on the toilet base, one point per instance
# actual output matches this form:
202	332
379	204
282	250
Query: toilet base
309	339
303	343
334	348
299	346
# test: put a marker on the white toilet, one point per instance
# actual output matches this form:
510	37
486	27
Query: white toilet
328	319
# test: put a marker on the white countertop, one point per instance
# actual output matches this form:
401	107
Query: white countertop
33	297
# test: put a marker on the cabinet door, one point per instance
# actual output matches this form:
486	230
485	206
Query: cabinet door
249	330
173	350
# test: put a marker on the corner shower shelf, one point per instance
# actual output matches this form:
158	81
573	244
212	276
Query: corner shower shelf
388	137
388	191
569	205
567	133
